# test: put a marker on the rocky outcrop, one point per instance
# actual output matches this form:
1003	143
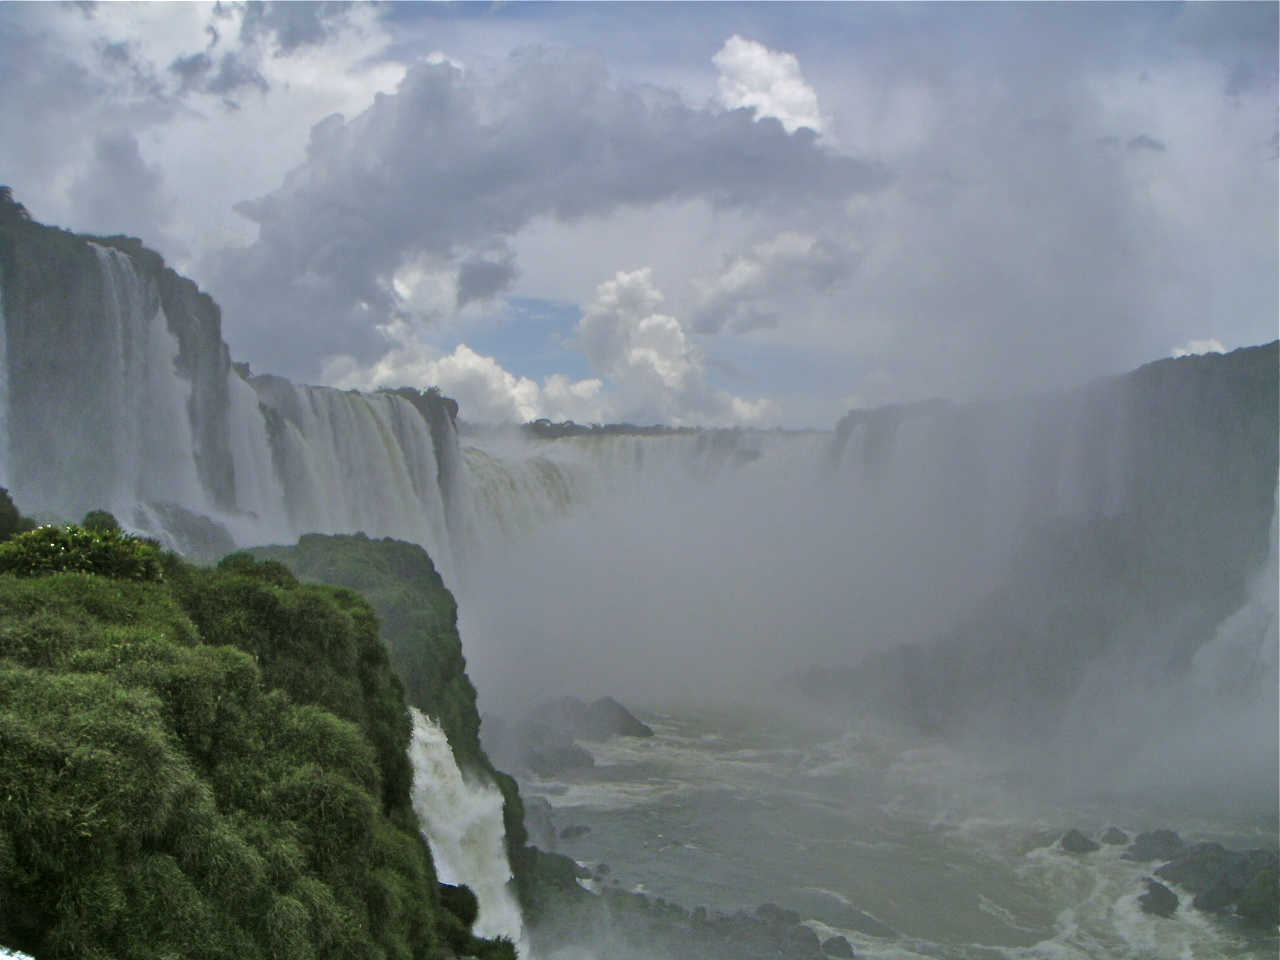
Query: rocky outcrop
1225	881
1154	845
1073	841
545	742
1159	900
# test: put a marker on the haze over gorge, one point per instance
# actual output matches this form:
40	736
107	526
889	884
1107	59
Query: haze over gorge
964	625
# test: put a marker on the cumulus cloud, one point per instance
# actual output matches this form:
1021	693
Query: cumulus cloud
486	393
1195	347
213	98
770	83
456	161
646	356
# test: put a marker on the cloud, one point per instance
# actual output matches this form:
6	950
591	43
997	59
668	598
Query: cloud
217	116
646	356
753	76
486	393
119	193
456	162
1195	347
291	25
758	286
483	278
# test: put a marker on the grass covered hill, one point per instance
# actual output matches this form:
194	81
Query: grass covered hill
203	763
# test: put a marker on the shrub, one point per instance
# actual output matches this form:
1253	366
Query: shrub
73	549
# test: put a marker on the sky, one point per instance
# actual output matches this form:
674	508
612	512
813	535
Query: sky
712	214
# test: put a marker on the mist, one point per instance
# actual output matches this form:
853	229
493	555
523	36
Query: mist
974	570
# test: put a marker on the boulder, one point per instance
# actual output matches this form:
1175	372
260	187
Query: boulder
837	947
560	759
772	913
1114	837
575	832
608	718
1155	845
1221	879
865	923
1159	900
1073	841
1260	902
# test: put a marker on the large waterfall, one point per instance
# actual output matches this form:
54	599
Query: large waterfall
1003	558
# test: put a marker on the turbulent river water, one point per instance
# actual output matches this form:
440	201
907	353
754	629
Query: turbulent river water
908	848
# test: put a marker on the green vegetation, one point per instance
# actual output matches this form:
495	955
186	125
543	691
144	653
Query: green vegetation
204	763
420	627
104	552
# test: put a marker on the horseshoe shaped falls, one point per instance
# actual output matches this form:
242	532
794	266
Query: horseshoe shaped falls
881	673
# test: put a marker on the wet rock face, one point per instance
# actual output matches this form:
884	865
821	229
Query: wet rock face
1159	900
1155	845
837	947
1073	841
1226	881
1115	837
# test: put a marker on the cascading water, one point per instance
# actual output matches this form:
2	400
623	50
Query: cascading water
462	821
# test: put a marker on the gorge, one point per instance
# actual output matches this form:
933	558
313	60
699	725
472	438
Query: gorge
1081	585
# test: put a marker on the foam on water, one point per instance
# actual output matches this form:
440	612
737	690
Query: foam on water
874	828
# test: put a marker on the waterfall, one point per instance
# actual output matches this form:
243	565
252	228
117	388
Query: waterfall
461	818
150	444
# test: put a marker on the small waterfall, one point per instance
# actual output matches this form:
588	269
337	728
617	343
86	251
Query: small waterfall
462	821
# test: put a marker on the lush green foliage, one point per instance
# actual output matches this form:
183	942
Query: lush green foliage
101	551
212	764
419	623
420	627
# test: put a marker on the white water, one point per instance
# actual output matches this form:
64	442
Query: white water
870	828
461	818
150	446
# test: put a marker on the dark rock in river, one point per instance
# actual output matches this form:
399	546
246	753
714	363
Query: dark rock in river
1073	841
1159	900
608	718
1155	845
865	923
1260	903
560	759
1222	879
837	947
570	717
1115	837
772	913
574	832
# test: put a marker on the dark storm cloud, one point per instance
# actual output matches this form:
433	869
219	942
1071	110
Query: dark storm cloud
453	162
292	25
197	73
482	279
